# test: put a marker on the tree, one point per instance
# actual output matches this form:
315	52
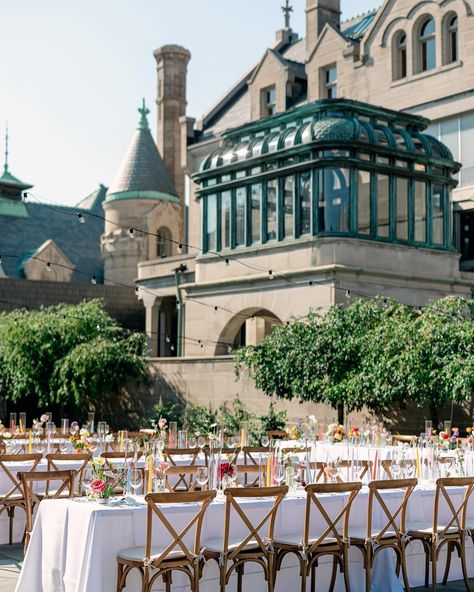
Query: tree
373	353
71	357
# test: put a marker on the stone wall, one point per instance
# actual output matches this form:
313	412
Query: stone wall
211	381
121	303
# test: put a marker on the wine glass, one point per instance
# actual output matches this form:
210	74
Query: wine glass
40	446
265	441
448	465
192	442
358	469
279	473
64	446
87	478
201	442
136	479
333	470
202	476
395	468
93	444
233	477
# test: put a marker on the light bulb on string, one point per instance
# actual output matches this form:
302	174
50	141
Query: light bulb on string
216	308
172	347
310	283
167	339
131	232
94	280
48	266
229	349
227	261
81	218
348	294
180	249
137	289
270	274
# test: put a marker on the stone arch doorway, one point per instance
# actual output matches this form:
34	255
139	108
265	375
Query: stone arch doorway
241	331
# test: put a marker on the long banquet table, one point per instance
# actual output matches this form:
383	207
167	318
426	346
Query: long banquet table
75	542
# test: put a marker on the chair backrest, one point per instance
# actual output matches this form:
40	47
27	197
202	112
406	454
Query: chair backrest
191	454
154	501
331	528
387	465
277	435
251	475
5	466
112	455
185	478
365	466
65	480
317	472
251	452
55	459
395	520
457	517
403	438
232	506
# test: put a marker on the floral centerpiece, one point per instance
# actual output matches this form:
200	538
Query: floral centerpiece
4	433
160	469
38	423
449	441
79	438
104	481
335	432
160	427
296	432
226	473
354	434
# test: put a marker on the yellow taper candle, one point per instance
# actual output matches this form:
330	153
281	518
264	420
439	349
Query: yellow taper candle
150	474
30	442
121	442
268	475
418	468
21	426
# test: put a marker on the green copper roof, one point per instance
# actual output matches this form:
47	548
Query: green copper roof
12	207
142	174
9	180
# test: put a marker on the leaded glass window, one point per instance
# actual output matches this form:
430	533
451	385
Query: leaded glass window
272	199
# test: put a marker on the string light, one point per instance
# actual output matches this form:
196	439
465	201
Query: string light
167	339
310	283
227	261
94	280
48	266
348	294
81	218
216	308
131	232
270	274
180	249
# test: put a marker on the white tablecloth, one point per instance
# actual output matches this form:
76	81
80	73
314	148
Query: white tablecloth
74	545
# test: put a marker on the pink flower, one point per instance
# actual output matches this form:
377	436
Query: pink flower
164	466
162	423
470	440
98	486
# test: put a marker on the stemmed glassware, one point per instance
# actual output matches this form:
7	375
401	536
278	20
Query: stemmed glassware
87	478
333	470
265	441
202	476
279	472
136	479
192	442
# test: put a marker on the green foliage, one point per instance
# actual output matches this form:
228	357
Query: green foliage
199	419
74	356
233	416
371	352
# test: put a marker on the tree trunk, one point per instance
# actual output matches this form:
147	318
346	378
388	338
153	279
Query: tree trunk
340	414
434	416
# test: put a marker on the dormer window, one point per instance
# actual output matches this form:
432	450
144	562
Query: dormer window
269	101
329	82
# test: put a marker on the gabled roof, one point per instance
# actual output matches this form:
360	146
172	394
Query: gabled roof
358	26
142	173
94	201
20	237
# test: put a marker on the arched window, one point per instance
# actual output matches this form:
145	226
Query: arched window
427	45
163	242
452	39
400	56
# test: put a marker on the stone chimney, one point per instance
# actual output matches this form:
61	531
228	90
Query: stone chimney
318	13
172	66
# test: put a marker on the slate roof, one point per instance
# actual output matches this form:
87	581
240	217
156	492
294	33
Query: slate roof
142	169
94	201
357	27
21	237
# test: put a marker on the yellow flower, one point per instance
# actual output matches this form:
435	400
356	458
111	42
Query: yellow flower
99	461
468	430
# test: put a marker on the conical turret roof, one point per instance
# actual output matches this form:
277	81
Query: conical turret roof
142	174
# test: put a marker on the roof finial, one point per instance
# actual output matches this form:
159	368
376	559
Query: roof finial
143	125
287	10
5	165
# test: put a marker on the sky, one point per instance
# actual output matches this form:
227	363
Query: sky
74	73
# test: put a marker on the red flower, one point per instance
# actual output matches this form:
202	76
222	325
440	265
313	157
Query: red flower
98	486
225	469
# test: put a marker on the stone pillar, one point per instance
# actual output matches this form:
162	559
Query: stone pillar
152	305
172	66
254	330
318	13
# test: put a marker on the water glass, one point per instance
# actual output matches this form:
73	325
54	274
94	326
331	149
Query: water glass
64	426
12	421
22	423
202	476
182	439
136	479
448	427
428	428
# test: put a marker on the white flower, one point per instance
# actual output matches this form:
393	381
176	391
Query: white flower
6	435
312	419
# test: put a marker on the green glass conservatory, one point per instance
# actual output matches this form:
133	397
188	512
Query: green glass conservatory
329	168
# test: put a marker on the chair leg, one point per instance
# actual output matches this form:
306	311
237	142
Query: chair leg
145	579
334	574
167	579
240	573
434	585
303	573
463	564
11	515
222	574
449	552
403	561
427	564
345	567
119	577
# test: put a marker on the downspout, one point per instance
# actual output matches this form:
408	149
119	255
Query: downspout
177	276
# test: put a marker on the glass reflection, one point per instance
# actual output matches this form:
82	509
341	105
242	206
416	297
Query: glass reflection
211	223
333	200
420	212
255	206
438	212
305	202
225	219
240	211
402	208
272	197
383	206
288	208
363	206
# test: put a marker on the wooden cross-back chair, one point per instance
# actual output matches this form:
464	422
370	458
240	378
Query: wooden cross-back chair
232	555
450	533
127	458
251	454
277	435
317	472
185	478
251	475
403	438
365	469
63	479
154	562
54	464
229	455
191	456
14	497
392	535
331	540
